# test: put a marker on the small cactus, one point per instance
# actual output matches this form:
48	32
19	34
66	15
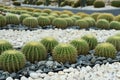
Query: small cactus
115	25
12	60
105	50
2	21
99	4
91	40
115	40
34	51
49	43
5	45
43	21
65	52
103	24
81	46
12	19
31	22
59	23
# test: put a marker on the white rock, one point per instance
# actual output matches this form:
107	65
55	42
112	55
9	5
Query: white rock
34	75
9	78
23	78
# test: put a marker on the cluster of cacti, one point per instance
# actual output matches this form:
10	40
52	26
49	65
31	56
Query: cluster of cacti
5	45
34	51
81	46
49	43
12	60
109	17
82	23
103	24
43	21
23	16
91	40
2	21
59	23
12	19
115	25
65	52
105	50
31	22
115	40
99	4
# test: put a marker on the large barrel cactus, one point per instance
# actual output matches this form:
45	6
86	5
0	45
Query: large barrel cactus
34	51
81	46
105	50
2	21
23	16
115	25
65	52
43	21
5	45
31	22
12	60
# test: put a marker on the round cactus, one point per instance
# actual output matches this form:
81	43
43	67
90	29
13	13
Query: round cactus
90	21
12	60
31	22
76	17
95	15
12	19
59	23
36	14
64	16
43	21
5	45
67	12
109	17
99	4
65	52
105	50
81	46
49	43
103	24
115	40
91	40
2	21
69	21
47	11
43	14
82	23
34	51
117	18
51	17
115	25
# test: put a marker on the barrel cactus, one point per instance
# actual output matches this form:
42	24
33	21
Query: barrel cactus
115	25
5	45
49	43
12	60
90	21
51	17
76	17
99	4
115	40
12	19
43	21
82	23
34	51
81	46
91	40
103	24
95	15
47	11
69	21
117	18
2	21
64	16
59	23
105	50
31	22
65	52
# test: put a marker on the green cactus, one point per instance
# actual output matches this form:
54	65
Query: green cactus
43	14
91	40
2	21
51	17
65	52
31	22
23	16
5	45
115	25
76	17
43	21
95	15
37	14
64	16
81	46
59	23
49	43
12	60
34	51
12	19
103	24
90	21
69	22
115	40
117	18
99	4
48	11
82	23
105	50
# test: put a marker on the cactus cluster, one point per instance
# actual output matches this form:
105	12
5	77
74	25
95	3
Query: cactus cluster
34	51
65	52
12	60
105	50
2	21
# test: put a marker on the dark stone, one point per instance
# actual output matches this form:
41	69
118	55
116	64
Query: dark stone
109	60
41	63
13	75
105	61
101	58
98	62
89	57
32	68
82	57
2	77
67	65
93	60
28	64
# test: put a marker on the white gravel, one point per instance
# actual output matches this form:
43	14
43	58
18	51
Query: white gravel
19	38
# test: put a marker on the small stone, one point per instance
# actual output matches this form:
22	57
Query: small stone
51	73
49	63
23	78
101	58
34	75
98	62
41	63
32	68
61	73
30	78
9	78
93	60
109	60
13	75
83	58
39	71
